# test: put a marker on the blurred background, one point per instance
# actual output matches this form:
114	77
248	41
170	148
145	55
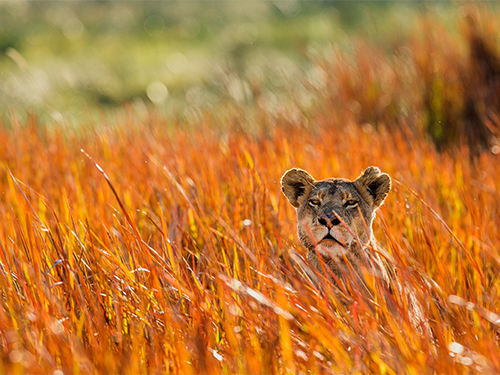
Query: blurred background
430	66
71	56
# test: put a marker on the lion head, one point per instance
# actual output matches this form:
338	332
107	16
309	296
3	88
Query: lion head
335	215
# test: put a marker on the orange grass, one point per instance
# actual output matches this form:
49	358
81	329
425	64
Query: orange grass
188	268
142	247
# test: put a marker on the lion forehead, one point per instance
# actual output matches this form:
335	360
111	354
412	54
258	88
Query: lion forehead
338	189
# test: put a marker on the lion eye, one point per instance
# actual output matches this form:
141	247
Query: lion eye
314	202
351	203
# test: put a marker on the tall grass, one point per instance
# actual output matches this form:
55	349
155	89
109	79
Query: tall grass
133	245
160	250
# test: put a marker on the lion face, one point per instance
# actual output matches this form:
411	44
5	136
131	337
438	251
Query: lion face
335	214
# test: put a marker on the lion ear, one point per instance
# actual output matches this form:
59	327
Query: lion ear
373	186
296	184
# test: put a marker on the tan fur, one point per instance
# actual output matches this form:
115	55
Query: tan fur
348	207
334	222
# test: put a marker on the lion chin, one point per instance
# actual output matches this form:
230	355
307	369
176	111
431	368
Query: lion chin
330	248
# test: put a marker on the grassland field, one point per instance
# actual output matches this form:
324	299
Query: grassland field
150	235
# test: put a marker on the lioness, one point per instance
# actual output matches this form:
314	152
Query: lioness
334	220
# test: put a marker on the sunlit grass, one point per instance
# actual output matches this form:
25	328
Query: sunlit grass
136	243
160	250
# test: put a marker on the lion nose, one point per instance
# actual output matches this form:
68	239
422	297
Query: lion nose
327	221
